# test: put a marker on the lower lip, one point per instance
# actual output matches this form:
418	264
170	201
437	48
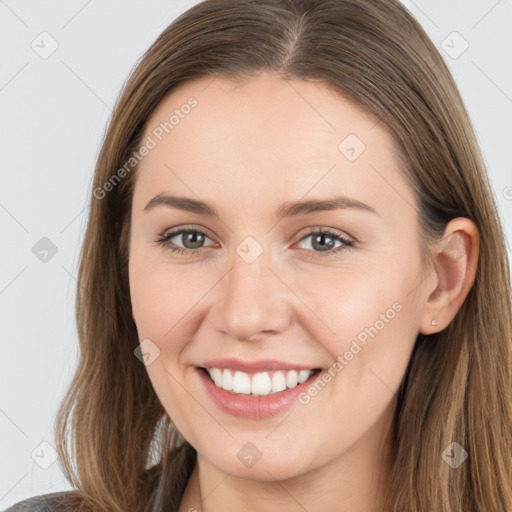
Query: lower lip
254	407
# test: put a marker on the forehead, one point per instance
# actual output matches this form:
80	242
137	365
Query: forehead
265	136
263	111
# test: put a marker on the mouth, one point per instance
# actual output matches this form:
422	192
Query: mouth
258	384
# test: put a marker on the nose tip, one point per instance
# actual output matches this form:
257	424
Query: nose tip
253	301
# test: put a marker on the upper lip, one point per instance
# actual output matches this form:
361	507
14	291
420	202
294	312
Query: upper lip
255	366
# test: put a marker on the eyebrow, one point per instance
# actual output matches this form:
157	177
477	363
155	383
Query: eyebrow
289	209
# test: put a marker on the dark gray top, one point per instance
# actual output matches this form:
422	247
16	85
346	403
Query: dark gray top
51	502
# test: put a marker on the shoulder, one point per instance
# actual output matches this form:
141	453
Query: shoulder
51	502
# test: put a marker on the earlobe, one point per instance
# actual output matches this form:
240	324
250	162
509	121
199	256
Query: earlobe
455	260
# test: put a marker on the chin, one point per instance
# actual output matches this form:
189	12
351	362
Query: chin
247	461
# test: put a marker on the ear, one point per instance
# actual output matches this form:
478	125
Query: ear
455	259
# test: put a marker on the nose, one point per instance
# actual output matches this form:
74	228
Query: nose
254	300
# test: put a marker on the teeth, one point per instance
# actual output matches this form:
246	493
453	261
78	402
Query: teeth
216	375
259	384
292	379
241	383
227	380
304	376
278	382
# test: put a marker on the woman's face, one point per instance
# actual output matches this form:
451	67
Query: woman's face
262	285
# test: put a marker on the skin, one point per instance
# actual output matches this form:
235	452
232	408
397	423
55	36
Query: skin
248	148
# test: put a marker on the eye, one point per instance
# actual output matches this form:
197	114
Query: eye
324	240
191	239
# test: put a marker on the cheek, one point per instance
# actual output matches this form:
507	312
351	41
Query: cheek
159	309
160	295
149	299
366	319
167	303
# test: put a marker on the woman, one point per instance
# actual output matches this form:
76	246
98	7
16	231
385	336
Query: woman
294	290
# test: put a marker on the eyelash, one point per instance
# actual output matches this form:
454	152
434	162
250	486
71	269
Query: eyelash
164	242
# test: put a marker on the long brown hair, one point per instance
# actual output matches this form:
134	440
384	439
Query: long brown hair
117	444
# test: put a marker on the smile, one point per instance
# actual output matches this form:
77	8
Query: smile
258	384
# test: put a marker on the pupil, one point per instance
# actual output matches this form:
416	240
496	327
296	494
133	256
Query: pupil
321	240
193	238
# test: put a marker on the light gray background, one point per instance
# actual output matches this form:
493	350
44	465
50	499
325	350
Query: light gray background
54	112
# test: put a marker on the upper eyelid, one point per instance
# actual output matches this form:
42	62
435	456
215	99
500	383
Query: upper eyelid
169	233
